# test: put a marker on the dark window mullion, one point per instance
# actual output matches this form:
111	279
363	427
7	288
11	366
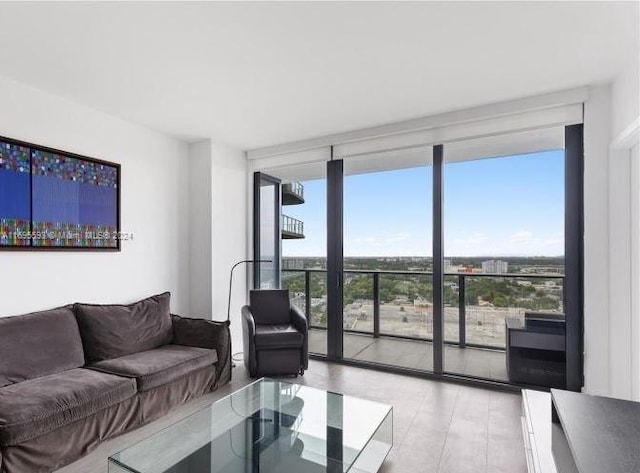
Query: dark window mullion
438	262
335	259
277	237
574	255
257	180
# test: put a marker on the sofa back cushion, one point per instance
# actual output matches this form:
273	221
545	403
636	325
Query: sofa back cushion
39	344
110	331
270	306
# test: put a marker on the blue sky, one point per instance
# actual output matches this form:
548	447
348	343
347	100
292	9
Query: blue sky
510	206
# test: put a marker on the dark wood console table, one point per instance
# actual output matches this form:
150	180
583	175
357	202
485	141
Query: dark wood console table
593	434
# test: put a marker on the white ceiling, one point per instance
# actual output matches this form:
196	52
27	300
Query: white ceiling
258	74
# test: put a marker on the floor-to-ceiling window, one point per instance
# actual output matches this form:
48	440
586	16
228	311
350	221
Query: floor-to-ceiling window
503	221
418	258
387	309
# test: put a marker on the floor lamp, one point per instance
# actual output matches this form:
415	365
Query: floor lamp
246	261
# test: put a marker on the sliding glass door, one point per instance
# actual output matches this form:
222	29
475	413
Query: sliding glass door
387	305
266	231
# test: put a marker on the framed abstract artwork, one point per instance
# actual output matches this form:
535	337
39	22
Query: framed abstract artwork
55	200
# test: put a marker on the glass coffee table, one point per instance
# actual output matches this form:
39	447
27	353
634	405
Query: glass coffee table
269	426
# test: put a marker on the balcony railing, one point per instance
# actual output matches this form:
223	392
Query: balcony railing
404	309
292	193
292	227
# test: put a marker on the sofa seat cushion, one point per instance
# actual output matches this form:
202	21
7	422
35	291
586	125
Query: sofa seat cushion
157	367
41	405
278	336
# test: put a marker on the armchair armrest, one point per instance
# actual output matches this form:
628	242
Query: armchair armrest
299	321
249	346
206	334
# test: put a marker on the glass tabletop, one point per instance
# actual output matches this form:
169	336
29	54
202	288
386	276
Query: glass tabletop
269	426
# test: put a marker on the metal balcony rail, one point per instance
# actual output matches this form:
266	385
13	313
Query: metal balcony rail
462	301
292	225
294	188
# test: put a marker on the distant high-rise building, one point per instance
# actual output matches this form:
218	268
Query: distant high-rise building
447	265
495	266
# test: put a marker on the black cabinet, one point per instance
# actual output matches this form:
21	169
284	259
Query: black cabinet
536	353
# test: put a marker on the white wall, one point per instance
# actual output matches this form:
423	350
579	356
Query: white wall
635	272
623	287
199	230
611	345
154	209
625	97
619	312
218	231
185	204
597	136
230	235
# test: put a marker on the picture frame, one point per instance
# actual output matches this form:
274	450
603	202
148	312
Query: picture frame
55	200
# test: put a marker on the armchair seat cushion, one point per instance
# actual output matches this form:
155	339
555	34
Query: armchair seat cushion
160	366
41	405
278	336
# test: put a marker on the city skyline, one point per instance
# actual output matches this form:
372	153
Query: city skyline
497	207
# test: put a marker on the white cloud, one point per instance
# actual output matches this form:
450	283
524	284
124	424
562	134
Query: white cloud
472	239
514	243
377	241
523	236
391	244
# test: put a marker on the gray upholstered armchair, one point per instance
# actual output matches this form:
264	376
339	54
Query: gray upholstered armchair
275	335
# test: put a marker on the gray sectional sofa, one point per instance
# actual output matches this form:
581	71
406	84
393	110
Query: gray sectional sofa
74	376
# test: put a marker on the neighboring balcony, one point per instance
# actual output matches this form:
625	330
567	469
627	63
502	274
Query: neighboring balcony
292	193
292	228
388	315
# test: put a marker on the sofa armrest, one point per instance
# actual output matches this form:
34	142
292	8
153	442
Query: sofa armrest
299	320
249	346
210	334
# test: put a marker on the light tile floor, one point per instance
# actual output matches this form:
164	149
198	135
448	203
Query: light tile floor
438	427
